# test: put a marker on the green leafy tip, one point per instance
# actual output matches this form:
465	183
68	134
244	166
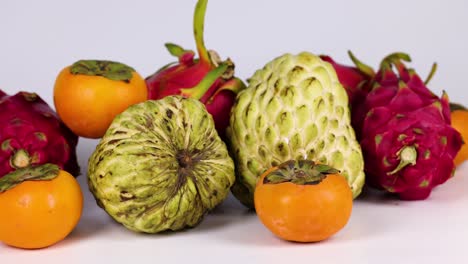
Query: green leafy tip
394	59
176	50
365	69
33	173
204	85
431	73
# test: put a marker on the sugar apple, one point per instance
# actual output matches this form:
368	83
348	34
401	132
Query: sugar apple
161	166
293	108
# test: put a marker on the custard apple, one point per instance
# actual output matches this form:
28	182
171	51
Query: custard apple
161	166
293	108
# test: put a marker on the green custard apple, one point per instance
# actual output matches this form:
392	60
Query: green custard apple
161	166
293	108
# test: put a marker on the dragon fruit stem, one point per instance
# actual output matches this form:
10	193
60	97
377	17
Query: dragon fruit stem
408	156
198	29
20	159
204	85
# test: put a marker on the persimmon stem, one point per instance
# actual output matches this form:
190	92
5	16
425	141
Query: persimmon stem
111	70
301	172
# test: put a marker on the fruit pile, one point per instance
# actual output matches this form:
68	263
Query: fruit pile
297	143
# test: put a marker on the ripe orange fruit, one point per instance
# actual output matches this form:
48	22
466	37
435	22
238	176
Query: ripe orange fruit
302	201
89	94
460	123
459	117
40	211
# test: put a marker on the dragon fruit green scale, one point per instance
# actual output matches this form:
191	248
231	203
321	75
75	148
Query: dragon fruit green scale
293	108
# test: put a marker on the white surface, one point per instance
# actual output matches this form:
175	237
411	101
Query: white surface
380	230
41	37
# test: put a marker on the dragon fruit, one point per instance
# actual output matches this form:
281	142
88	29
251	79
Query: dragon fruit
208	78
32	134
404	130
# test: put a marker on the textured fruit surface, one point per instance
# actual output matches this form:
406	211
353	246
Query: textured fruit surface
31	133
303	201
161	166
40	213
352	78
407	140
355	79
207	78
89	94
293	108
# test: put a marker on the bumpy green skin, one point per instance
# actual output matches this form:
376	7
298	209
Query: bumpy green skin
136	176
293	108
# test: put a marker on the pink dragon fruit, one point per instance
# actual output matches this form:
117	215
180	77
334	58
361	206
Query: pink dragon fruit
208	78
404	130
32	134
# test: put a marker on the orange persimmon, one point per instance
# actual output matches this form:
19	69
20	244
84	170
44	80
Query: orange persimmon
90	93
302	201
459	116
40	206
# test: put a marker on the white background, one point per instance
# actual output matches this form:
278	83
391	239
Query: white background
39	38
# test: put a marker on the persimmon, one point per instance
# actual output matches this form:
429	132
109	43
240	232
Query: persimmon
302	201
90	93
39	206
459	116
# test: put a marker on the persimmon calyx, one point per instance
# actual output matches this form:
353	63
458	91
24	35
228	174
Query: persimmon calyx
31	173
111	70
301	172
